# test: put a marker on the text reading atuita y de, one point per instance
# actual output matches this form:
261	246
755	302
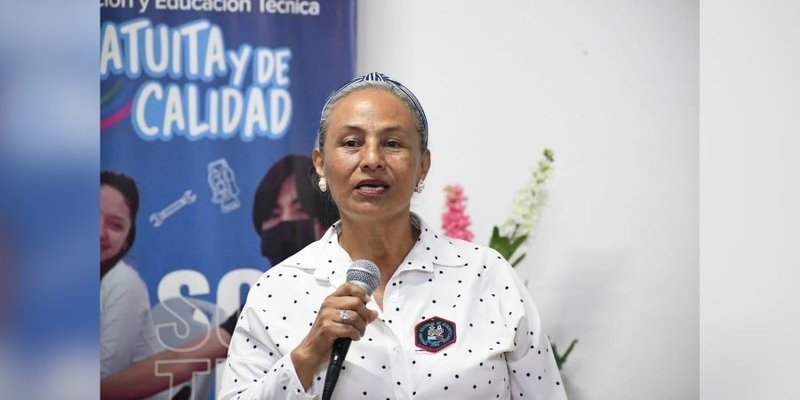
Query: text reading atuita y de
195	55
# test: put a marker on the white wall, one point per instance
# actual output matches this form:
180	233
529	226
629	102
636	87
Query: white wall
612	87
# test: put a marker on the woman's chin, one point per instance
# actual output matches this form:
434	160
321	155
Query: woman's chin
373	209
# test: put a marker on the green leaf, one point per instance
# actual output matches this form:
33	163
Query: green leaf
516	242
495	238
561	359
517	261
503	247
500	243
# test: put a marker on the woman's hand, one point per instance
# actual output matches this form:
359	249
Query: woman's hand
343	314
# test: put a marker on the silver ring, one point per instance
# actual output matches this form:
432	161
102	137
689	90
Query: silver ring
344	316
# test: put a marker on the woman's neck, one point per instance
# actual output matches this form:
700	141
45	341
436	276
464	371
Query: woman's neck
385	242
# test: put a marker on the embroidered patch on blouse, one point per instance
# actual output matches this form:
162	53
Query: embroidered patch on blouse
434	334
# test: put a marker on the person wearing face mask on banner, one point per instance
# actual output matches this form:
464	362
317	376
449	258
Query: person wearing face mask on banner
448	319
288	214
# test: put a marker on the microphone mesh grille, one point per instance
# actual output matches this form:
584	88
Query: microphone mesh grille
364	273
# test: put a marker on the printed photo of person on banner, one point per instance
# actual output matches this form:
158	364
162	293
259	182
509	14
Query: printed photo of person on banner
127	332
288	214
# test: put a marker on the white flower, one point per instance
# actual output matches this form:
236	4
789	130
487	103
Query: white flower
527	204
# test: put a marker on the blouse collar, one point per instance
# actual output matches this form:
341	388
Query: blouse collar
330	261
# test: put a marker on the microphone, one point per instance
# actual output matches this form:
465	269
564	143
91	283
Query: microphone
363	273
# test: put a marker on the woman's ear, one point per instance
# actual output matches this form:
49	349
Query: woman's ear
316	158
426	164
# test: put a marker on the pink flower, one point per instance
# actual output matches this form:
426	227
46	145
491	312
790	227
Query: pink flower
455	221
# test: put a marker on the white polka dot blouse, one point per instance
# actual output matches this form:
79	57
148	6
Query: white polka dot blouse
457	323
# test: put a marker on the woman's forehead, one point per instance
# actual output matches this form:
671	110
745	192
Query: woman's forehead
112	201
371	106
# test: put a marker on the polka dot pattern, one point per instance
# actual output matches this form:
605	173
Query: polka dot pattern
500	351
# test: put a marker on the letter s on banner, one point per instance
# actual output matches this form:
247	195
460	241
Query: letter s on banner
171	284
170	288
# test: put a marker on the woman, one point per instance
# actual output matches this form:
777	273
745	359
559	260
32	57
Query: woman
127	334
449	320
288	215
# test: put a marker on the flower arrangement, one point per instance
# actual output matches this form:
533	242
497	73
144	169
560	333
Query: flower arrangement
515	231
455	221
525	211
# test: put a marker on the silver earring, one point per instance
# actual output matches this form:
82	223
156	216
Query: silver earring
420	186
323	185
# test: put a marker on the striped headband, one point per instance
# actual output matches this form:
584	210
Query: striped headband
405	94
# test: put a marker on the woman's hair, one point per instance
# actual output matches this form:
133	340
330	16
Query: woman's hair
314	203
127	187
380	81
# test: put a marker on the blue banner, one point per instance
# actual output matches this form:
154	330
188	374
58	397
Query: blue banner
199	99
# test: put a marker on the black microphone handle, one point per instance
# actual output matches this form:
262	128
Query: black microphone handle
338	352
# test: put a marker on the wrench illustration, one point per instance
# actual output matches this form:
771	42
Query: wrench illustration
158	218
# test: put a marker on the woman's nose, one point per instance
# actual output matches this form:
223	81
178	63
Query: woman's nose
286	214
372	157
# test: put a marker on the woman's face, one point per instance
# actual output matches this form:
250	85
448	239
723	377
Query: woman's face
115	222
372	158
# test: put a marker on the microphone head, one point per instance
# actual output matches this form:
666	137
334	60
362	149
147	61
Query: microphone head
364	273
